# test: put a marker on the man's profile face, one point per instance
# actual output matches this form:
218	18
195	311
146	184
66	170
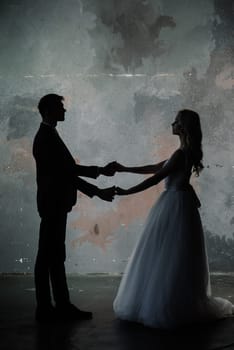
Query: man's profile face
59	112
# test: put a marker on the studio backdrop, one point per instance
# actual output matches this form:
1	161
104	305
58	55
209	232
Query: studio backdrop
125	68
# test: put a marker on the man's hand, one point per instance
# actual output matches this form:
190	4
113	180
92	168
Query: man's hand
107	194
111	168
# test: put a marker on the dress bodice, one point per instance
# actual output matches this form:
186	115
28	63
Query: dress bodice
179	179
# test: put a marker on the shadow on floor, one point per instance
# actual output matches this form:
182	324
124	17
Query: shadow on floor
18	330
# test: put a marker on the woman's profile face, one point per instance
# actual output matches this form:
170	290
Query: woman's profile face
176	126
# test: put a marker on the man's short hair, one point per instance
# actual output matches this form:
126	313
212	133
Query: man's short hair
48	102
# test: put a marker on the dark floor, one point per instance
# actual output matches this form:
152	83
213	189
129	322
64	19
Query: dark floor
18	330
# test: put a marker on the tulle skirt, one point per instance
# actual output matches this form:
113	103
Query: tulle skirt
166	282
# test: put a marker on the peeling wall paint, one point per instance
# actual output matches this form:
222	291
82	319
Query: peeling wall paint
125	69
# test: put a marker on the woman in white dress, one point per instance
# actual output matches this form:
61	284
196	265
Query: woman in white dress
166	282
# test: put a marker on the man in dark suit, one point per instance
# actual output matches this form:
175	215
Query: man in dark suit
58	179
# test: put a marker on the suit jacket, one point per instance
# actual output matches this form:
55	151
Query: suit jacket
58	174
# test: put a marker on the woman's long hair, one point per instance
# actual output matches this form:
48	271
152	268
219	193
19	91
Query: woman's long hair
190	123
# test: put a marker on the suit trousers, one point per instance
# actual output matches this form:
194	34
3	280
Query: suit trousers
49	266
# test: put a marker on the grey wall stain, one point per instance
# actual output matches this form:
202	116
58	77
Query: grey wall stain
21	115
220	251
78	49
139	25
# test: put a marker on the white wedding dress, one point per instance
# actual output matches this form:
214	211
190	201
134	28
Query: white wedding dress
166	282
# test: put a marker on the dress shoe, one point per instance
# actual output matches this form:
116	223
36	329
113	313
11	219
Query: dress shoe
45	314
70	312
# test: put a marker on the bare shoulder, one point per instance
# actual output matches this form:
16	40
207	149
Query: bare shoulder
177	158
178	155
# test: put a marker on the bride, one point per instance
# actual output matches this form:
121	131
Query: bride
166	282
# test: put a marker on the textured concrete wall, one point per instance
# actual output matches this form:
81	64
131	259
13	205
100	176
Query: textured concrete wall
125	68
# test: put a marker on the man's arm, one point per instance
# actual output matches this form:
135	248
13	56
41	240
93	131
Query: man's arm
87	171
85	187
106	194
95	171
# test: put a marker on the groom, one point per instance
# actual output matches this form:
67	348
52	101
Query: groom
58	179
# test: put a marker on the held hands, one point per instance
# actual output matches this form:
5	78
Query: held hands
111	168
108	194
120	191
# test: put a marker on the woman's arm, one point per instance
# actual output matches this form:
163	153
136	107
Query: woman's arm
147	169
172	165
